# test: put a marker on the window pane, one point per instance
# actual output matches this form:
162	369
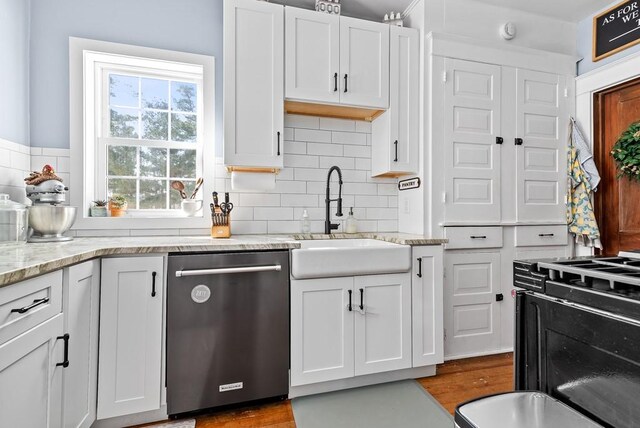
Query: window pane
124	187
153	194
155	125
183	163
155	93
123	91
124	123
183	97
122	160
183	127
153	162
174	196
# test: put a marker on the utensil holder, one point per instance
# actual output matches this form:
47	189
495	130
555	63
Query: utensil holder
218	229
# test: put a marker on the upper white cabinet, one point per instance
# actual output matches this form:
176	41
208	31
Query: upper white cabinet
131	335
336	60
395	133
253	83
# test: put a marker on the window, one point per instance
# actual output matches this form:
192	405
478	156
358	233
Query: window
140	118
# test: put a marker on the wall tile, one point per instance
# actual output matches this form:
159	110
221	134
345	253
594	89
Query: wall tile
280	213
300	161
325	149
349	138
297	121
341	162
337	124
300	200
312	135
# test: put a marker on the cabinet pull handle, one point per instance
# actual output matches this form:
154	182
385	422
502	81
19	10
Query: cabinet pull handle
396	148
499	140
335	82
519	141
419	267
349	305
278	143
362	299
35	303
546	235
65	363
478	237
153	284
345	82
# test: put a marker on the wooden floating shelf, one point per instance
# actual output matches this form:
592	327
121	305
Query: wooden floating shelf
333	111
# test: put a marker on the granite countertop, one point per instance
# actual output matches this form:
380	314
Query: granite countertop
22	261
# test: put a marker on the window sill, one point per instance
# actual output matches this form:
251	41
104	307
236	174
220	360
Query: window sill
115	223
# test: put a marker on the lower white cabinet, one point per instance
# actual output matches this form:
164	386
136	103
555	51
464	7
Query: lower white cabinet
131	336
30	377
345	327
81	299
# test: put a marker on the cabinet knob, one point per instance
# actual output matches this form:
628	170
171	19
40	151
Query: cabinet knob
499	297
499	140
519	141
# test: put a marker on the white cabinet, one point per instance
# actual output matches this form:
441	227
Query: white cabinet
30	377
395	133
336	60
253	83
81	299
131	335
345	327
427	305
312	56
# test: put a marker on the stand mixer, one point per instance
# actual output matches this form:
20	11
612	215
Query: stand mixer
48	218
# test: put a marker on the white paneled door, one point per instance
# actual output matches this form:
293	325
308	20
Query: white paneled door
541	132
312	55
472	135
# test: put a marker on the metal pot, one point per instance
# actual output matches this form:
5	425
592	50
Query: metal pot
13	220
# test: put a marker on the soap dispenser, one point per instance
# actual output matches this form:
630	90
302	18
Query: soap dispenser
305	223
351	225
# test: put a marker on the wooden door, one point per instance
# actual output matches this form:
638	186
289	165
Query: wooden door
131	333
312	55
321	330
617	200
472	156
383	323
364	63
253	83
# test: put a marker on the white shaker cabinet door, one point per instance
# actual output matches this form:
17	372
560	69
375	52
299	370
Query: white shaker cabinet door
472	111
131	333
321	330
382	308
472	314
364	63
312	55
541	132
253	83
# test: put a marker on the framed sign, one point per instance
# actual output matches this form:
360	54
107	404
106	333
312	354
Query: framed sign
616	29
411	183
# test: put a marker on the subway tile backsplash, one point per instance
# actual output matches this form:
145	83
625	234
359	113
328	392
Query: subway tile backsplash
14	167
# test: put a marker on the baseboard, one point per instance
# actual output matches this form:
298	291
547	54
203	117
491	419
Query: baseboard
477	354
135	419
358	381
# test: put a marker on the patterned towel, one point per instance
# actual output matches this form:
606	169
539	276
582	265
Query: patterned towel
580	215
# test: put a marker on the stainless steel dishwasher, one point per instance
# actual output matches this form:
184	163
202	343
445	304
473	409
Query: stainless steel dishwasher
227	329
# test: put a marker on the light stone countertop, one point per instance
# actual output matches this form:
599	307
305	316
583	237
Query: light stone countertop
22	261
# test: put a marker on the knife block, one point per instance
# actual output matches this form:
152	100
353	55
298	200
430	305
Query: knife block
221	231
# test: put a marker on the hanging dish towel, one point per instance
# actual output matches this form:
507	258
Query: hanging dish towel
580	215
584	155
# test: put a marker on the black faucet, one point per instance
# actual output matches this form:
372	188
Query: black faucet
328	226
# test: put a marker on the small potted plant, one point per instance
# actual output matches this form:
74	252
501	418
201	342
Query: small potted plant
117	205
99	208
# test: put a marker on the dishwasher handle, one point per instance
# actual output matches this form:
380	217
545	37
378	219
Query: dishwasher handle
220	271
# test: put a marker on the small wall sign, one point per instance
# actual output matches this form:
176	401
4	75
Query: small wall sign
411	183
616	29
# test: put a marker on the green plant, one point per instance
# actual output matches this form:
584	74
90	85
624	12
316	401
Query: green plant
626	152
100	203
118	201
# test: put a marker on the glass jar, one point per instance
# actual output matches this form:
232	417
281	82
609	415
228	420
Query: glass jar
13	220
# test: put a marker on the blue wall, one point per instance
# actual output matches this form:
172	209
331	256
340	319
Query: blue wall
193	26
14	71
585	40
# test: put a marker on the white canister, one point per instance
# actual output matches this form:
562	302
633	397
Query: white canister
191	206
13	220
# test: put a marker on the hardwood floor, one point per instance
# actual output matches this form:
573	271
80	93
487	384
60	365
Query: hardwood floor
456	381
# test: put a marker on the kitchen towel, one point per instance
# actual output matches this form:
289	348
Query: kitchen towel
580	215
584	155
253	181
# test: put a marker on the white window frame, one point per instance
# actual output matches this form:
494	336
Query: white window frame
90	60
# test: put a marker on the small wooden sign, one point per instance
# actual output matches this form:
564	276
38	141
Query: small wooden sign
616	29
411	183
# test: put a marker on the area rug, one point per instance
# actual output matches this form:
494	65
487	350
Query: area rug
185	423
402	404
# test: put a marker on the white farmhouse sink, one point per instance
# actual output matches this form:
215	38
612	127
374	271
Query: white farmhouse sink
348	257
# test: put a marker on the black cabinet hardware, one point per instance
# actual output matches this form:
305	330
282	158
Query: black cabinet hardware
35	303
519	141
335	82
395	143
345	82
362	299
278	143
546	235
65	363
499	140
153	284
349	305
419	267
499	297
478	237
